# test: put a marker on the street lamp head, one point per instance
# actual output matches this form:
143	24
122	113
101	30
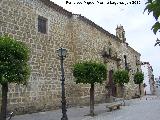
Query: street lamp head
62	52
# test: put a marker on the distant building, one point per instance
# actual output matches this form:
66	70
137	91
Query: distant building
148	78
157	85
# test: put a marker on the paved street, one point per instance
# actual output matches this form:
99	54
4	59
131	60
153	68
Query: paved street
134	110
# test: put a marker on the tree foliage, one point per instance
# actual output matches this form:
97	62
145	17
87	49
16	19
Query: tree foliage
13	61
14	56
138	78
153	6
121	76
89	72
157	42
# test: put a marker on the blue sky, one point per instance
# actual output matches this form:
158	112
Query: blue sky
137	24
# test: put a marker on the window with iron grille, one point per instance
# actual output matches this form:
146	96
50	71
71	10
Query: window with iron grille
125	60
42	24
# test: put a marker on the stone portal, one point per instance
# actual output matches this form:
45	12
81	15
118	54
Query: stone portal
112	84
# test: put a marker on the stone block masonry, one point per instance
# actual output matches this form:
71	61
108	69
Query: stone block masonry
83	39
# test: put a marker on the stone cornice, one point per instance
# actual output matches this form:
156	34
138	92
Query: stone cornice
98	27
57	7
134	50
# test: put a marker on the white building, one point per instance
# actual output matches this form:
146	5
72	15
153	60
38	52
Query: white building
157	84
148	78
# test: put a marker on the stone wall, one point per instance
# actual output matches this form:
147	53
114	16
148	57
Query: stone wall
18	19
90	42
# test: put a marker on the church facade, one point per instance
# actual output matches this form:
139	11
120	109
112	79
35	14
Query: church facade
45	27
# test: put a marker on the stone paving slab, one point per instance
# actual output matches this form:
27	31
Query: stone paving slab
135	109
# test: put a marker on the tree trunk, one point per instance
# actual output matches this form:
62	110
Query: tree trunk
92	100
4	101
122	91
140	89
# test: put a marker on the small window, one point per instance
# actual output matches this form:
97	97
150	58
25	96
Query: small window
42	24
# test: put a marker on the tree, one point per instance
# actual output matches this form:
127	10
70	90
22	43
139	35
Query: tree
157	42
121	77
90	72
138	79
14	68
154	6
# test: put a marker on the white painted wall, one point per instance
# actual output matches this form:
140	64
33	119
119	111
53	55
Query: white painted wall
157	80
146	78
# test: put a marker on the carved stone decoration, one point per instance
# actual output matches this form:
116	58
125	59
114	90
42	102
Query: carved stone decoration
109	43
138	62
105	53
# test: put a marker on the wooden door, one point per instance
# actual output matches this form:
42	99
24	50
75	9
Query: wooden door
113	90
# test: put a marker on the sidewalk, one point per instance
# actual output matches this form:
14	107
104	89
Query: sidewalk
125	113
74	113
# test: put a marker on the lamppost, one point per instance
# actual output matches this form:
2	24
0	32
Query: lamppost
62	54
